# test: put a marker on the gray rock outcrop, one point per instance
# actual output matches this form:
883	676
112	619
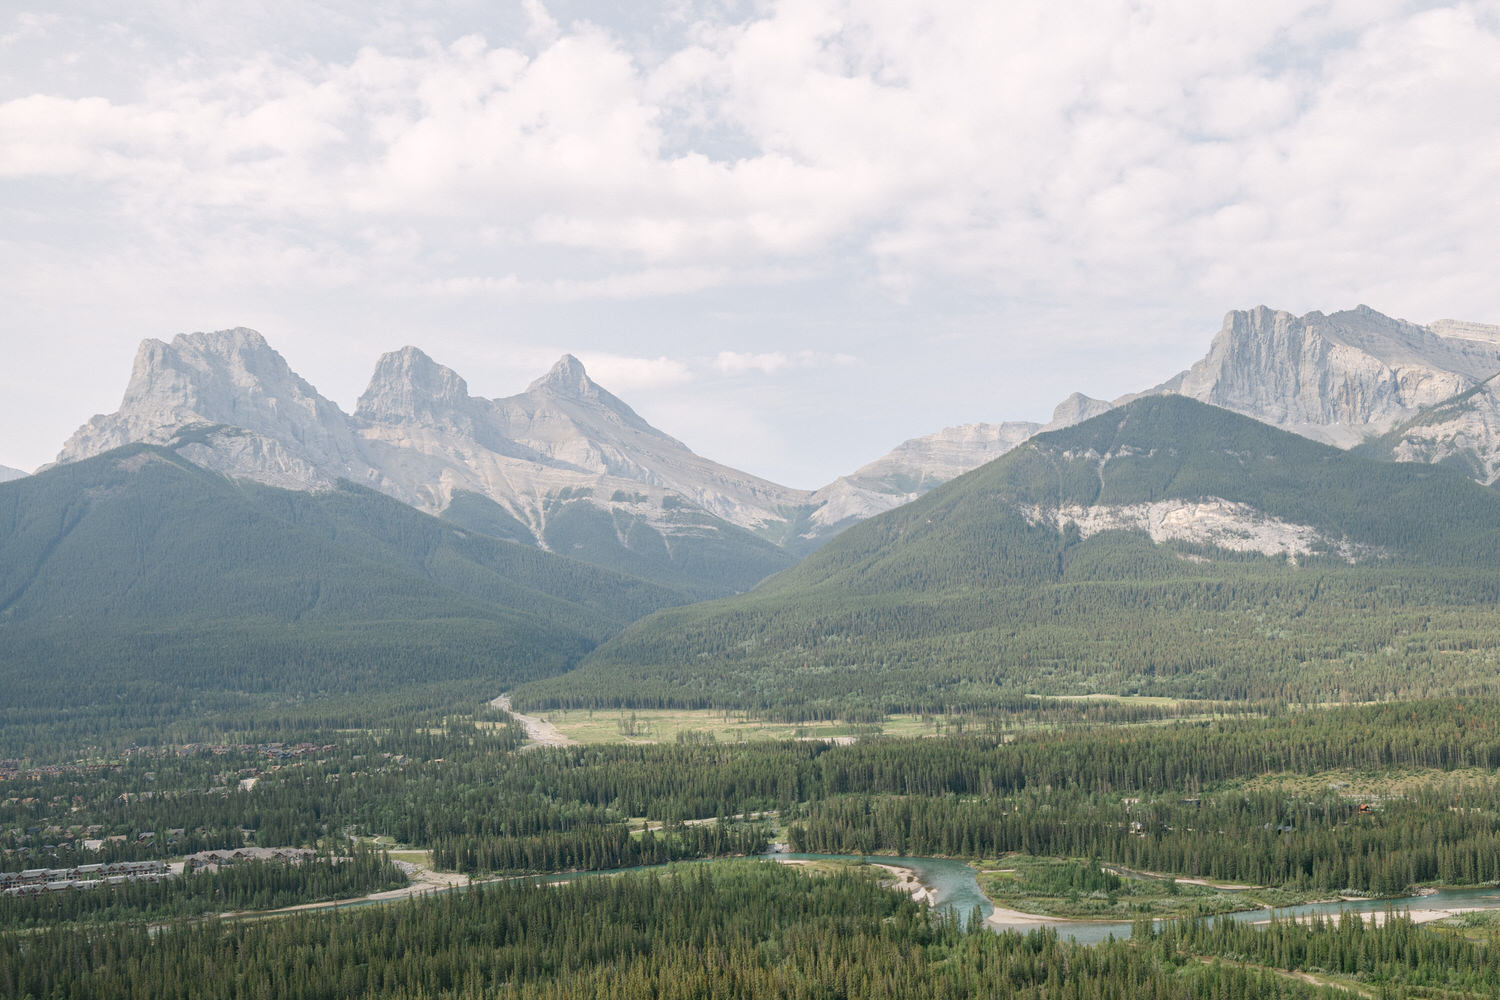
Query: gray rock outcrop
1360	378
231	403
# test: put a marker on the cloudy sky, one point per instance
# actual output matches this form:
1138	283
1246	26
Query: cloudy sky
790	234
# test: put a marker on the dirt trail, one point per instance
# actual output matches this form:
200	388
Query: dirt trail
540	732
1158	876
421	881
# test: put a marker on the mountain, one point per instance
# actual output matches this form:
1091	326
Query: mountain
141	584
916	466
7	474
1398	390
228	402
568	465
566	423
1462	431
1165	547
1357	375
565	465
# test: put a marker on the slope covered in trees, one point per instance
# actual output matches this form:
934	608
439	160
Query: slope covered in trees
137	587
988	587
753	930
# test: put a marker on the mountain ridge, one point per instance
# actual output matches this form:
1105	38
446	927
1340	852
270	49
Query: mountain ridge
563	458
566	465
1164	548
1347	379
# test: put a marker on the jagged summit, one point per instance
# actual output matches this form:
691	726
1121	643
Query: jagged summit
567	377
1076	409
561	462
566	397
409	385
232	404
197	365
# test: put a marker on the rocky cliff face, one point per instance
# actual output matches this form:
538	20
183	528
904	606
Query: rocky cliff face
7	474
1356	377
228	401
1462	431
1339	378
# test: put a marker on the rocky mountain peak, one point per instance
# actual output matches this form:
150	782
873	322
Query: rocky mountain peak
1457	329
567	378
244	410
409	385
1075	410
566	395
195	366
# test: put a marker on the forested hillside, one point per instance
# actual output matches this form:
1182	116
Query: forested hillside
138	588
1164	548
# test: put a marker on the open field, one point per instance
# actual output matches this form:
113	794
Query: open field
1124	699
668	725
597	726
1364	785
1078	889
1480	926
422	859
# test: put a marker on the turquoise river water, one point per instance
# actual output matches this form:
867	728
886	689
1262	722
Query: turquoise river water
956	885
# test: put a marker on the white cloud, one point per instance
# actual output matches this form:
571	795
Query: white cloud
623	374
771	362
1021	150
648	282
760	184
26	27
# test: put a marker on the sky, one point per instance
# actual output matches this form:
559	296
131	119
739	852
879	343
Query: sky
791	235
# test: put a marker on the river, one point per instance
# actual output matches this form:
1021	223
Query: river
956	885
